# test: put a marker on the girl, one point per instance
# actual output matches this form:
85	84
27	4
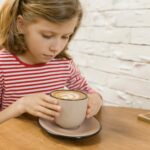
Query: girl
34	36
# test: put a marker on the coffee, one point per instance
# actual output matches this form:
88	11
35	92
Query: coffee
68	95
73	107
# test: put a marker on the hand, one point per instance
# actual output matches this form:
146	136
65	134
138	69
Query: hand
40	105
94	104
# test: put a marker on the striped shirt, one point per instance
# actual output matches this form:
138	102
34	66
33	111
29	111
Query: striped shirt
18	79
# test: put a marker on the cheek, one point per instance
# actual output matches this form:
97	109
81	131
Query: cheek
64	45
35	43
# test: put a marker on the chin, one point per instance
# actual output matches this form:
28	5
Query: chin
46	61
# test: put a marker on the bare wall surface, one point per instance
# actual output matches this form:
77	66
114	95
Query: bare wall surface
112	49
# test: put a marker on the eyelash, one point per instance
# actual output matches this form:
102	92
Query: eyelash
48	37
67	37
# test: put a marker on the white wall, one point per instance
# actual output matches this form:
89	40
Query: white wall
1	1
112	49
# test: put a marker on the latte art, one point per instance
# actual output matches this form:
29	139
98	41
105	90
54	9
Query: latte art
68	95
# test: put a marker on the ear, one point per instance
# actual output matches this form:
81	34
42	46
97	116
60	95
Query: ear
20	24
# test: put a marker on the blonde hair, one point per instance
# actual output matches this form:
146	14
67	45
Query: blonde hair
55	11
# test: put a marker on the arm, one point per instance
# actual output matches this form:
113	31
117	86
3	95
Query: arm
94	104
10	112
78	82
40	105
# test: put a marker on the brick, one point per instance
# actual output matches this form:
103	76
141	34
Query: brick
113	97
114	66
137	53
97	5
131	4
101	5
91	47
131	85
112	50
127	18
94	19
140	36
108	34
95	76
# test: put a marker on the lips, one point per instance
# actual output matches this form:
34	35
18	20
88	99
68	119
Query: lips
48	56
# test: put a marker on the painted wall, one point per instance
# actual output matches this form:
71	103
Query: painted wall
112	49
1	1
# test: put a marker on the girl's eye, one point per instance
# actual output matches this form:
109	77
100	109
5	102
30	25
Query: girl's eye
66	37
47	36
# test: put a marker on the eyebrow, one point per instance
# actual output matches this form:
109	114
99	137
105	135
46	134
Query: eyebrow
48	31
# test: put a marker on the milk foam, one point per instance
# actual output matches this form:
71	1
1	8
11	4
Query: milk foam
70	95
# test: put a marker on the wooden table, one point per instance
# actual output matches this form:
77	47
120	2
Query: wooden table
121	130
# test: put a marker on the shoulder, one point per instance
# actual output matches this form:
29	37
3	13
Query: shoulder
6	57
4	54
61	62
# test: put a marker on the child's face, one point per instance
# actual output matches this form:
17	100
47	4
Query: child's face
45	40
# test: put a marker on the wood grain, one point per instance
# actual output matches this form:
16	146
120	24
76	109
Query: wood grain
121	130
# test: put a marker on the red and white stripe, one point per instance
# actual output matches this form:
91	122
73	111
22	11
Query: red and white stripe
18	79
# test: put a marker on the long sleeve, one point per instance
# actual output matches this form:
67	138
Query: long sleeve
77	81
1	89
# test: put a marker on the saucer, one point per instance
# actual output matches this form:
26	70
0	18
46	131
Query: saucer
89	127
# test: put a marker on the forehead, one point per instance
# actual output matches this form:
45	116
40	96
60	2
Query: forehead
47	26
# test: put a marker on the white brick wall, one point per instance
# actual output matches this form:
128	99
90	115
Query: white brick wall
112	49
1	1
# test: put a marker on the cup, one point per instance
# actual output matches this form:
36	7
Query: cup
73	107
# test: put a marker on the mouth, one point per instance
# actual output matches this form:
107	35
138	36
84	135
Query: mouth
48	56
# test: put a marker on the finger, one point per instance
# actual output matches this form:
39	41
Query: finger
88	110
50	106
48	98
49	112
44	116
88	113
89	116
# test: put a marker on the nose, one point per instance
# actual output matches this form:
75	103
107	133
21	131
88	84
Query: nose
56	45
